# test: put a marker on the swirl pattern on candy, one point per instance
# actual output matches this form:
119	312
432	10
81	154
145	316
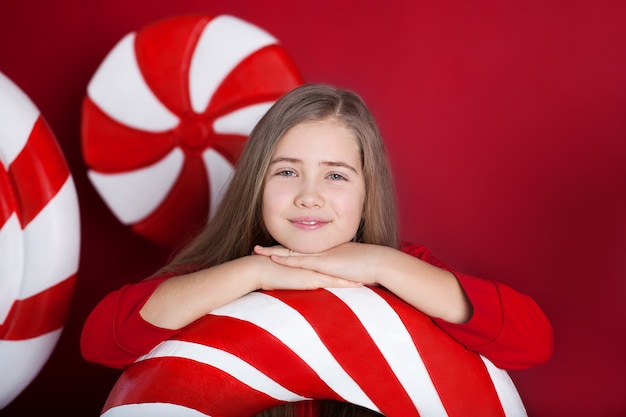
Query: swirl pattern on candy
39	240
167	114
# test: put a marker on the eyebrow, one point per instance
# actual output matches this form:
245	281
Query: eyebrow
322	163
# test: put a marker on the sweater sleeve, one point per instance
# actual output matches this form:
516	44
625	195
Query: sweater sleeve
506	326
114	333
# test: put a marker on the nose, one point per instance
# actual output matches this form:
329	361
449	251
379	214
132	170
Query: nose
309	196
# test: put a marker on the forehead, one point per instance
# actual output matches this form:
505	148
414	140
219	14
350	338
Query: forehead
326	138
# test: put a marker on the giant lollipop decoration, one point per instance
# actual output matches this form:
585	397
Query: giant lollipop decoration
167	113
39	241
365	346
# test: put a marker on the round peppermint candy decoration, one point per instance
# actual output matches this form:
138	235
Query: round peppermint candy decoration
167	114
39	240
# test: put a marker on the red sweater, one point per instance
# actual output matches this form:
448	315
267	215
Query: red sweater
506	327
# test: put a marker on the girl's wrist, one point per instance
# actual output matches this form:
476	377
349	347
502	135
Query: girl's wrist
382	264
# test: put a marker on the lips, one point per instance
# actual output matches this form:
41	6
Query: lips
309	223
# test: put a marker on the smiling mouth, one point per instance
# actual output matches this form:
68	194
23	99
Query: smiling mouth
309	224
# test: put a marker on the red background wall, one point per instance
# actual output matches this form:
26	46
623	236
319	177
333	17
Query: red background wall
506	124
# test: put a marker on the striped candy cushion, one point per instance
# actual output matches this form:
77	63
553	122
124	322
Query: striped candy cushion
363	346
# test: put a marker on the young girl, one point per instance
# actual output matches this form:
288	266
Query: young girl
311	205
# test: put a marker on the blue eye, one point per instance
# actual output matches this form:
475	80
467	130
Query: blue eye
286	173
337	177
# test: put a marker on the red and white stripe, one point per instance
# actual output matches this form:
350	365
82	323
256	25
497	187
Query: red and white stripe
167	113
364	346
39	240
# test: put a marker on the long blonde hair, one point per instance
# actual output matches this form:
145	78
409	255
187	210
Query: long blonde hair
238	223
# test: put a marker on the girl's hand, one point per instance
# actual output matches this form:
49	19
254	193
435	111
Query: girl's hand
274	276
357	262
182	299
430	289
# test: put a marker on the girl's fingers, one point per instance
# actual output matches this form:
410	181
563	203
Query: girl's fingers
343	283
274	250
288	260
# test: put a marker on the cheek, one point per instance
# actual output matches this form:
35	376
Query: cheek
273	200
353	207
274	195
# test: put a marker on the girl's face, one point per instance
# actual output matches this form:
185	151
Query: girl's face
314	187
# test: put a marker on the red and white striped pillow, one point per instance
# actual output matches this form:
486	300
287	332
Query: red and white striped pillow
363	346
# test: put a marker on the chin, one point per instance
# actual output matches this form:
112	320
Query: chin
308	249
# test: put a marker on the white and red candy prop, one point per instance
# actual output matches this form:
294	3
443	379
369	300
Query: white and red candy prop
167	114
39	241
363	346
